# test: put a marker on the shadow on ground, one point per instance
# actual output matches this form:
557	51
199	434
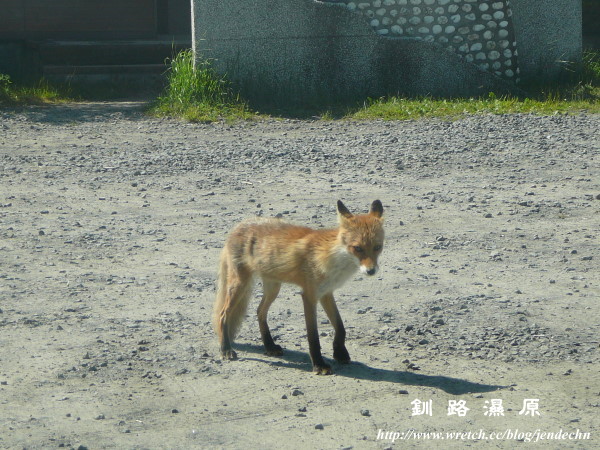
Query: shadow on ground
77	112
300	361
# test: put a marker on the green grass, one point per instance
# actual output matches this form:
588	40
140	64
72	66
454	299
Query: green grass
591	68
578	94
198	94
396	108
39	93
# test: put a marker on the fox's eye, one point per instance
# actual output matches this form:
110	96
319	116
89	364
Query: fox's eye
377	248
358	249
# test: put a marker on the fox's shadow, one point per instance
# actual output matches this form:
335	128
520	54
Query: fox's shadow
357	370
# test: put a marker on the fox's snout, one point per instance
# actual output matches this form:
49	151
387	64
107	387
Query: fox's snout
369	270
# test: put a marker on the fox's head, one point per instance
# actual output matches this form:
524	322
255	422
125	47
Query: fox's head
362	235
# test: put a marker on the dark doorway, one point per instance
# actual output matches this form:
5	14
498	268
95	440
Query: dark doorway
591	24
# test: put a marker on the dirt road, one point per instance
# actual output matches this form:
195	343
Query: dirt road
483	320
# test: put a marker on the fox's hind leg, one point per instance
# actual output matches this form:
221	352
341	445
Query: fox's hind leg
270	291
235	285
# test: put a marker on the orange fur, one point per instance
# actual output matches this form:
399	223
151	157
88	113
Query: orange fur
319	261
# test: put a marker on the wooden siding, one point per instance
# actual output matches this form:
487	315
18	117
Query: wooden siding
64	19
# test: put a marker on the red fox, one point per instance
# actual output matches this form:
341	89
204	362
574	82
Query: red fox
319	261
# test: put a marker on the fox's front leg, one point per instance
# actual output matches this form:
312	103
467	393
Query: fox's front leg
340	353
314	346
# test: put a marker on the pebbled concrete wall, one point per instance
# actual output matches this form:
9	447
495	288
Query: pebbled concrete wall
305	51
480	31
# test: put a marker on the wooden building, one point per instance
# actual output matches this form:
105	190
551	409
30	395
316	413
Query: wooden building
66	39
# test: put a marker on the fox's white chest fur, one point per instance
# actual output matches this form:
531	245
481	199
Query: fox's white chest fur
341	267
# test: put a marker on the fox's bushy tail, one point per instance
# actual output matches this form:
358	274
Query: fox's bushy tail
233	294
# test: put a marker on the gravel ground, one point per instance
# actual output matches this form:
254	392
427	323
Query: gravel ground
111	224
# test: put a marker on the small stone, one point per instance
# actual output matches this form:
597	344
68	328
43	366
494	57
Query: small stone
403	392
297	392
365	412
494	54
319	426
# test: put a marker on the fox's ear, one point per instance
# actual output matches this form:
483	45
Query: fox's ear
376	209
343	211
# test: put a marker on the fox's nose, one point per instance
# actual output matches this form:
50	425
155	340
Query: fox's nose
371	271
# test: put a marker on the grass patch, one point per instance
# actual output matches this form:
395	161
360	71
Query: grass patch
591	68
397	108
40	93
197	93
580	94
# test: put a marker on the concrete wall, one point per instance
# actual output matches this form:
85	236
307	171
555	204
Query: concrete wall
304	51
549	36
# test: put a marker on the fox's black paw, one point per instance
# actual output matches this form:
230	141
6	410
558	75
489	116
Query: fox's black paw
275	350
341	355
229	354
322	369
